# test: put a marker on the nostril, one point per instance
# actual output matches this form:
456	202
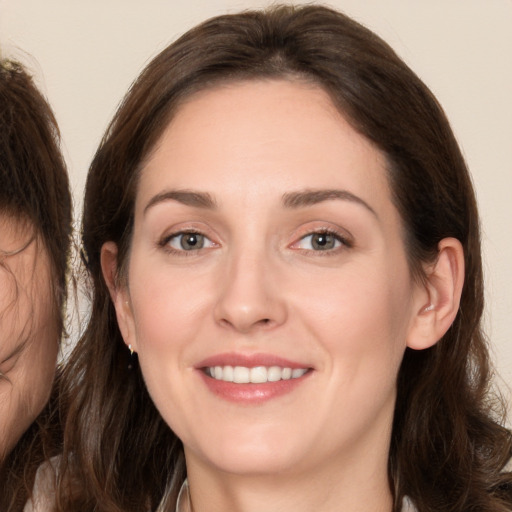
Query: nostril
243	326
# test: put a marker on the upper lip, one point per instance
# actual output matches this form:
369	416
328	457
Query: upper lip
250	361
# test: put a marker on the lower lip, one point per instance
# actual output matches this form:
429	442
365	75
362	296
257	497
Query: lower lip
251	393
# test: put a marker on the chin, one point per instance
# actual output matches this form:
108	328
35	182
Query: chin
257	464
258	456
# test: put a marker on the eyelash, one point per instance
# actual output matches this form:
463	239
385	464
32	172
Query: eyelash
164	243
344	242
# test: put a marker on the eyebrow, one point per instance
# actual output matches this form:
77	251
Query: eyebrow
312	197
290	199
186	197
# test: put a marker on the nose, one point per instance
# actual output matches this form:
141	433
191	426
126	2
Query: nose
250	298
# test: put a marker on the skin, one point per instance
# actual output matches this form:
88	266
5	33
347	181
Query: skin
28	334
258	285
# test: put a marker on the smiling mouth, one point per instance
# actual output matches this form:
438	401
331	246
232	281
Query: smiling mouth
253	375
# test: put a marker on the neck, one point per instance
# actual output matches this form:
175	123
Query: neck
354	488
351	475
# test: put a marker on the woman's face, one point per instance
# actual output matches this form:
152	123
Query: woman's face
267	251
28	330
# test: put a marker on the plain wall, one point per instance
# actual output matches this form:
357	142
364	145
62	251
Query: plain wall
86	54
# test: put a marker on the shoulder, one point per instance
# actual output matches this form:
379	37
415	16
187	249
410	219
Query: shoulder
43	494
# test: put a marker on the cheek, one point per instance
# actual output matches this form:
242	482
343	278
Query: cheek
169	306
12	417
25	393
28	319
360	324
162	316
164	326
361	318
358	299
38	366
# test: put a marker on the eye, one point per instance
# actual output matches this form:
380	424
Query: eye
188	241
320	241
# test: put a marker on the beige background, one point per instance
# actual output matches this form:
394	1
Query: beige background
86	53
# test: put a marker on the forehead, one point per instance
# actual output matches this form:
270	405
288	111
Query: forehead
246	135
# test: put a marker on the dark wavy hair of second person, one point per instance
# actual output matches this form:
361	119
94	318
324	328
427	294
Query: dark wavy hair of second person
35	237
447	448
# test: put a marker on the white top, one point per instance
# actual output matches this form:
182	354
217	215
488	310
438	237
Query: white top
183	502
43	497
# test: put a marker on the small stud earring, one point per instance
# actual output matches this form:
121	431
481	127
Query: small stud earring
130	349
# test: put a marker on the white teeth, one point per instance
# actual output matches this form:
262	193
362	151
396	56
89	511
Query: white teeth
298	372
228	374
274	373
241	375
287	373
255	375
258	374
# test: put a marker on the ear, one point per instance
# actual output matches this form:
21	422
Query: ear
118	293
439	300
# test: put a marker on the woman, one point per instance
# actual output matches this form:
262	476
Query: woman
35	231
280	224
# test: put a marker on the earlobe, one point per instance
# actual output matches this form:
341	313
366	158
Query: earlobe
443	287
118	293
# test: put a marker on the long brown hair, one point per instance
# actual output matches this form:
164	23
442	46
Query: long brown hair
447	449
34	189
34	183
